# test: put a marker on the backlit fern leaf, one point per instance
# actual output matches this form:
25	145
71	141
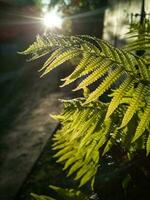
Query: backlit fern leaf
105	131
106	84
144	121
41	197
118	95
96	74
89	175
87	45
90	128
142	64
134	105
67	55
39	48
141	41
93	65
79	69
53	56
111	141
77	156
148	145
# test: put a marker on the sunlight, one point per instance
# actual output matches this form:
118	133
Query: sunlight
52	19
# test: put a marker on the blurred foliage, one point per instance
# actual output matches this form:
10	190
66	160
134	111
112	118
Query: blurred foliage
66	194
76	6
25	2
72	6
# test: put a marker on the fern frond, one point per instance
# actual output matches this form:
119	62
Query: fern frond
70	162
78	164
110	142
53	56
89	137
119	56
91	128
79	69
64	150
84	128
143	70
91	66
65	156
82	171
106	84
88	44
105	131
82	124
148	145
118	95
76	148
95	75
134	105
67	55
69	194
38	48
144	122
41	197
140	42
89	175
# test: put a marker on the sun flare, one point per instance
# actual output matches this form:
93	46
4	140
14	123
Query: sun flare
52	19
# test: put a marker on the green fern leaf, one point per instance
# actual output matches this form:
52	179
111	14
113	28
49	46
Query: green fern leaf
139	43
65	156
41	197
84	127
63	151
53	56
134	105
38	46
110	142
95	75
83	117
84	40
93	65
88	137
119	56
111	78
70	161
144	122
118	95
79	69
104	134
127	60
148	145
88	176
59	146
90	150
84	133
75	167
142	65
69	194
82	171
95	157
67	55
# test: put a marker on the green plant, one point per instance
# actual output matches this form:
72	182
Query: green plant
90	127
69	194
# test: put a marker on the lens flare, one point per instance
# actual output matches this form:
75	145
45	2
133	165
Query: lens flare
52	19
